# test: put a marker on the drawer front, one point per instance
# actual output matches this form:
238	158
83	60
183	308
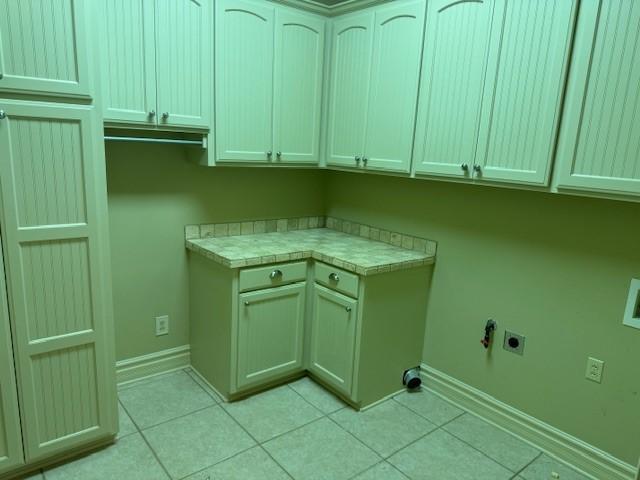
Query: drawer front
337	279
272	275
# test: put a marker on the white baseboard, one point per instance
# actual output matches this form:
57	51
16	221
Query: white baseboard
579	454
153	364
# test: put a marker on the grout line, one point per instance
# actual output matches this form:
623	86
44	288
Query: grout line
219	462
212	394
526	466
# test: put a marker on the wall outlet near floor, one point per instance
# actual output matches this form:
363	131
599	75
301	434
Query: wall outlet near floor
594	369
162	325
513	342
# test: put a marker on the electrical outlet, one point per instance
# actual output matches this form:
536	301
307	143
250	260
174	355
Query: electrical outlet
594	369
162	325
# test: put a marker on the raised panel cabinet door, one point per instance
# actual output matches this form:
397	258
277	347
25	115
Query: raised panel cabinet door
298	69
52	177
184	39
395	75
333	329
457	39
128	64
599	147
270	333
349	89
10	434
523	96
43	47
244	80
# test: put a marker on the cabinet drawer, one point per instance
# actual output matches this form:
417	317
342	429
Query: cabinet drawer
272	275
337	279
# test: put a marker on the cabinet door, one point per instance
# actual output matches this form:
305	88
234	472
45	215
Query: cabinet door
457	39
183	54
599	148
43	47
128	66
349	90
52	179
10	434
397	49
244	80
270	333
523	95
299	60
333	329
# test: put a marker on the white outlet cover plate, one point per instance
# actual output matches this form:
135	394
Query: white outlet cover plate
632	305
594	369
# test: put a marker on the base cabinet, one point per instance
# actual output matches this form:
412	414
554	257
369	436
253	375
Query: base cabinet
270	333
333	332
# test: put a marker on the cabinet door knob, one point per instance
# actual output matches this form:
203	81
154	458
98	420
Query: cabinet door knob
357	160
165	115
3	115
269	154
334	277
275	274
279	154
464	167
348	309
152	113
477	169
1	75
364	161
246	303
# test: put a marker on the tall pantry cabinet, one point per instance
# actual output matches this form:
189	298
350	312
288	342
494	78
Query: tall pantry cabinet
53	216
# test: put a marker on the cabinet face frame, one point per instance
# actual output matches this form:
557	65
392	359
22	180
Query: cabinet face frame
78	16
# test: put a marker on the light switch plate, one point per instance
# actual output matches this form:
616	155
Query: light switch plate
632	311
162	325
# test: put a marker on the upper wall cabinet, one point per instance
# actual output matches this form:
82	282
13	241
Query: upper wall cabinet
493	77
269	62
374	86
156	62
43	47
599	148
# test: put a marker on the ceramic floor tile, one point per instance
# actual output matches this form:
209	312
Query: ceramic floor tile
382	471
494	442
272	413
321	451
316	395
441	456
429	405
191	443
386	428
163	399
125	424
204	386
543	468
129	459
254	464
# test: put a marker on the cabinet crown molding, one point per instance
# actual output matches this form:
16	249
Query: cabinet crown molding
331	10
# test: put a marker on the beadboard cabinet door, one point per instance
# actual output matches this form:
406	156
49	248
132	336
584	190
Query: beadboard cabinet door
297	96
11	454
599	147
333	331
349	91
183	55
457	40
395	74
523	95
270	333
129	63
244	80
43	47
54	228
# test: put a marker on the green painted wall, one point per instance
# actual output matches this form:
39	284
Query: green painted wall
154	191
553	268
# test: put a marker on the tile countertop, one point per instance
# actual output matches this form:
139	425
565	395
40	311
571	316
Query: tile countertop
350	252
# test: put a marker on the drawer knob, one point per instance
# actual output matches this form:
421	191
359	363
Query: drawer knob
334	277
348	309
246	303
275	274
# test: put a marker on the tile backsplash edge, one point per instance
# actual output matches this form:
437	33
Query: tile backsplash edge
397	239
